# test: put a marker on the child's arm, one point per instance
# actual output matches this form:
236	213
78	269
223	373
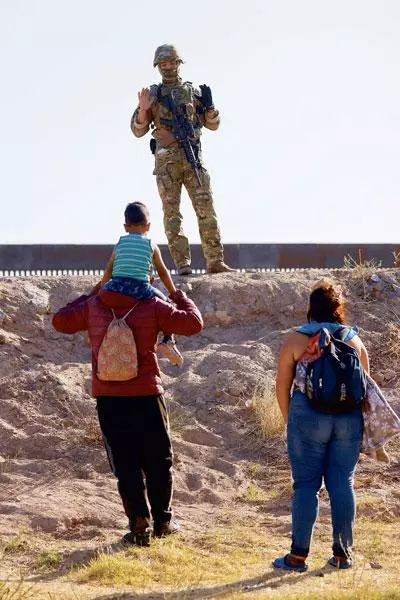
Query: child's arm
162	271
109	269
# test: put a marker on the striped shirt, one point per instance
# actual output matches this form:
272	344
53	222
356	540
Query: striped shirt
133	257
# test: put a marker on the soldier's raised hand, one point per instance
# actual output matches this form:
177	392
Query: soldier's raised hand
145	101
206	97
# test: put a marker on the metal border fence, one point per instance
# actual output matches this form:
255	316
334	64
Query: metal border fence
75	259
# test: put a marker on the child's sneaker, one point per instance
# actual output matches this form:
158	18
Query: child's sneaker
169	350
382	455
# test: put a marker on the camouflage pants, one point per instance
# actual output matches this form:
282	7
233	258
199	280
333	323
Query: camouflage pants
172	171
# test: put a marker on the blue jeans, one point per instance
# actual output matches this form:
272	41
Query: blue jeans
322	447
141	290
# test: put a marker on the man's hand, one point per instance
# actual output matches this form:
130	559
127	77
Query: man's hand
145	102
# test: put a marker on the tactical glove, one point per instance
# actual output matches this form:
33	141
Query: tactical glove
206	97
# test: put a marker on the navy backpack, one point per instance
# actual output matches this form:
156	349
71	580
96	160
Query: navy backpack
335	382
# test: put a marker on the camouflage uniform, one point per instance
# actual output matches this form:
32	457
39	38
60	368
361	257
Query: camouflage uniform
172	170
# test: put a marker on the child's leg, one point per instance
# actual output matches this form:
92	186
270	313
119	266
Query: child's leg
168	349
167	346
134	288
158	293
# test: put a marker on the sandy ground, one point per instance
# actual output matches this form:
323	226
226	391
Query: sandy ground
54	476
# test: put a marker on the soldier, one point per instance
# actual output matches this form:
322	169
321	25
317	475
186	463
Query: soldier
172	168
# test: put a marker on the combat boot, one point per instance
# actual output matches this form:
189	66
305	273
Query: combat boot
186	270
219	267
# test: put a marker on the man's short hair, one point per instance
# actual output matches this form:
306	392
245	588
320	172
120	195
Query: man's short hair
136	213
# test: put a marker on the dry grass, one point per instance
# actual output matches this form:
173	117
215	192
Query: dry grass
17	544
253	493
237	559
396	258
230	561
216	557
266	410
25	591
360	271
359	593
179	417
377	540
254	470
16	591
385	355
393	340
48	560
91	432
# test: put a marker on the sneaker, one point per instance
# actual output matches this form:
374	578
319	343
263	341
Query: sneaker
169	350
184	270
382	456
340	562
138	538
288	563
219	267
164	529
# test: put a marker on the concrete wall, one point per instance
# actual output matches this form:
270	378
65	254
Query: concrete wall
34	257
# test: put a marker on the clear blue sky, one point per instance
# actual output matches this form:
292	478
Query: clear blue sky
309	95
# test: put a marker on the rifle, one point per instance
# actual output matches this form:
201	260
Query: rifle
183	131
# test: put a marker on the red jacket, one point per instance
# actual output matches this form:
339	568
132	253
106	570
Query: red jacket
93	314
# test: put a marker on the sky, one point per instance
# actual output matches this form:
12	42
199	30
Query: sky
308	91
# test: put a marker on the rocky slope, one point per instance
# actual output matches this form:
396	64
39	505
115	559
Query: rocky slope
54	476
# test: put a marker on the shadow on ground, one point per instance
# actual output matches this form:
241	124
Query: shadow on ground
267	582
78	558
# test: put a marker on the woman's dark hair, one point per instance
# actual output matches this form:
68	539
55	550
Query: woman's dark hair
327	305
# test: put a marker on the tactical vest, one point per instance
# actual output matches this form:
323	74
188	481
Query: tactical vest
185	94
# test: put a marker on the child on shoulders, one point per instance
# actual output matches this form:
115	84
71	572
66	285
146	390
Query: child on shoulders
130	269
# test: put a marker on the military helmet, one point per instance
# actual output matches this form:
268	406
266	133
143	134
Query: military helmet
164	53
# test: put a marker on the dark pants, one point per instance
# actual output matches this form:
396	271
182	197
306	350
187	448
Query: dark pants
136	436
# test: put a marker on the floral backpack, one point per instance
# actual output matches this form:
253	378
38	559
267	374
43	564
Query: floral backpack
117	357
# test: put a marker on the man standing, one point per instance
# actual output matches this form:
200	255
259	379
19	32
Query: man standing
172	167
132	414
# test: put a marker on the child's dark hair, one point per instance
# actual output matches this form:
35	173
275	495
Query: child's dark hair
136	213
327	305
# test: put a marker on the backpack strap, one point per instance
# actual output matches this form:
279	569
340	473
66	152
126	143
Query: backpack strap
340	334
124	317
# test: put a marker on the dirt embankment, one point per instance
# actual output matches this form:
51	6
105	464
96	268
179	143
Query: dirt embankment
54	476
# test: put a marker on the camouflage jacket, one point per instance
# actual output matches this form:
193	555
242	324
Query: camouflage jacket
186	93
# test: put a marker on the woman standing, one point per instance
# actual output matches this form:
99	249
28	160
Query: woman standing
321	446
